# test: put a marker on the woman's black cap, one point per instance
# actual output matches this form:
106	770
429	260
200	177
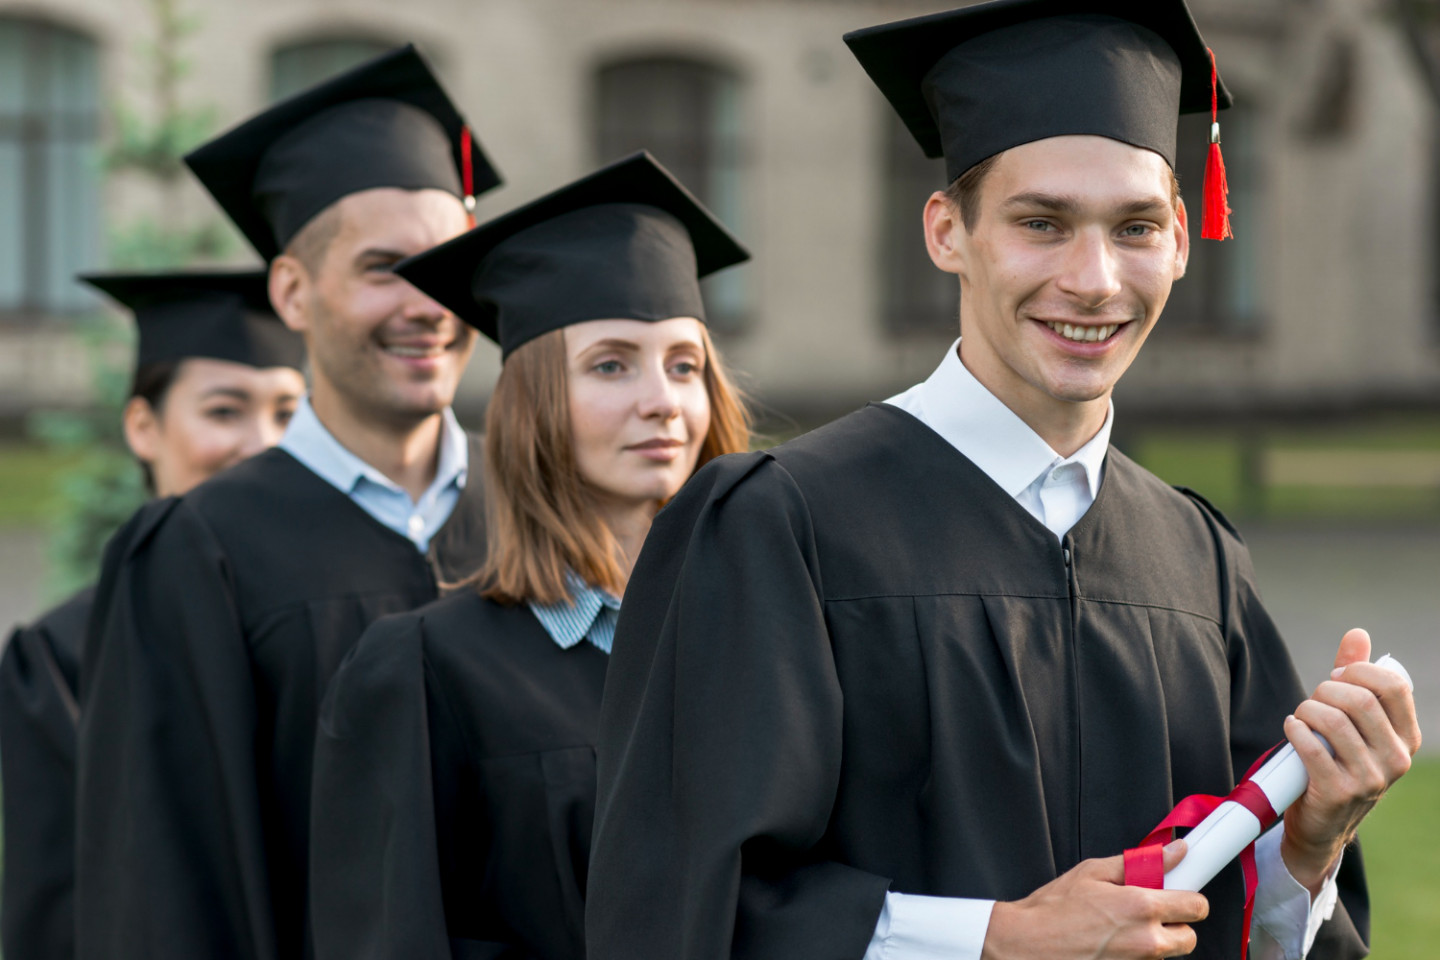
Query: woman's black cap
974	82
386	123
627	242
218	316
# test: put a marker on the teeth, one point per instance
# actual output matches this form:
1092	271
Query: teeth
1084	334
414	352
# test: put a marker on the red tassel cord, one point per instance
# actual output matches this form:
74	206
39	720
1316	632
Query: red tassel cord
1215	212
467	173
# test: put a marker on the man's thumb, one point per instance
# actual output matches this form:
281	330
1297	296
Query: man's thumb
1354	648
1112	869
1174	853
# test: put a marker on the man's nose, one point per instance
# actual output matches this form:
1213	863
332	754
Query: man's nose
421	308
1092	273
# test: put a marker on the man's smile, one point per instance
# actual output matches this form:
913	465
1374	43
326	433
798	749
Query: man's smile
1084	333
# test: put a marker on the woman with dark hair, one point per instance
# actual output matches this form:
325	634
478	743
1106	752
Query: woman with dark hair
216	379
454	783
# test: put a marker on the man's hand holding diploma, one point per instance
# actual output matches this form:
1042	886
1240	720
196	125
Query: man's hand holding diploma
1365	711
1088	913
1367	714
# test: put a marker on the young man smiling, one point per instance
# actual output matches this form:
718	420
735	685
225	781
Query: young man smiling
907	687
226	612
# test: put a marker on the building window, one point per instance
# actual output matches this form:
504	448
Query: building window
918	298
688	114
1220	291
299	66
49	167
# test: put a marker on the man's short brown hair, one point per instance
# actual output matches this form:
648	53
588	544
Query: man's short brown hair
310	245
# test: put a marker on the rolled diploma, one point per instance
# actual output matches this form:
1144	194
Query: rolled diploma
1231	828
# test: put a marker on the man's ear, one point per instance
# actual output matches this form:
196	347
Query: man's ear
1182	239
290	291
142	430
944	233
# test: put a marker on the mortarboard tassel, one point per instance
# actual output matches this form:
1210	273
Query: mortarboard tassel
467	173
1215	210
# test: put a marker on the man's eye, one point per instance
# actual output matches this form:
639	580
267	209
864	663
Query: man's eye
1136	230
223	413
1038	225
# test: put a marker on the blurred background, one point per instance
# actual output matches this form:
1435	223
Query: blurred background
1294	378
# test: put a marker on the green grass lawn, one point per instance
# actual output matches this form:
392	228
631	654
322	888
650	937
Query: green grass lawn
1402	858
1213	462
29	478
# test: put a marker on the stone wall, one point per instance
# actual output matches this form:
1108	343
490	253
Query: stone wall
1346	242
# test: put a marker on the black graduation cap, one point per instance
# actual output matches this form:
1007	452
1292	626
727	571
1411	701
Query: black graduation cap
386	123
220	316
974	82
627	242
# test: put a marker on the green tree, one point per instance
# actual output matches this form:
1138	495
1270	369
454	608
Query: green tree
150	138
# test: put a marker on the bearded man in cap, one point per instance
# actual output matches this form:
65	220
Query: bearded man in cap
223	614
907	686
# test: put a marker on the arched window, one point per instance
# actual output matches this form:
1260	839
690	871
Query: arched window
1220	292
918	298
49	167
688	114
296	66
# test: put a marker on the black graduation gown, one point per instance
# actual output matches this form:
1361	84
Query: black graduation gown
455	789
224	615
38	678
854	664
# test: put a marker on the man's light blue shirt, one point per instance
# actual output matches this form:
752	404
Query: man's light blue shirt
591	615
308	441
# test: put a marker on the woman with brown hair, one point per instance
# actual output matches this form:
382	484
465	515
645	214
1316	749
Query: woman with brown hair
454	785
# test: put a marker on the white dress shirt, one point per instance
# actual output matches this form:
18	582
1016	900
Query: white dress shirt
1057	491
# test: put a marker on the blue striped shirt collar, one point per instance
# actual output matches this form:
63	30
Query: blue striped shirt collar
590	615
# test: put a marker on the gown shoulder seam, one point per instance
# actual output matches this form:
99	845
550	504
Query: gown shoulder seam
858	598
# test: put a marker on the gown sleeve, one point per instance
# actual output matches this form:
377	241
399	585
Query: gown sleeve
171	857
37	757
1264	689
374	862
720	742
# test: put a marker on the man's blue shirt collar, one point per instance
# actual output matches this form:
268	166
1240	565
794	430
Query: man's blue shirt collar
308	441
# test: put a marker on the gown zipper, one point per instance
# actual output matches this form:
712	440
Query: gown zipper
1072	586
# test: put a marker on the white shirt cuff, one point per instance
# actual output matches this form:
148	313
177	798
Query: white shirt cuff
1286	919
913	927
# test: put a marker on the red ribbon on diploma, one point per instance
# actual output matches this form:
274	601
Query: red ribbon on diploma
1145	864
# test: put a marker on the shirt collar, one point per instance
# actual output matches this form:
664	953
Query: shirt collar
453	465
973	420
569	623
307	440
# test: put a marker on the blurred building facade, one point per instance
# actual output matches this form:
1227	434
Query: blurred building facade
1327	299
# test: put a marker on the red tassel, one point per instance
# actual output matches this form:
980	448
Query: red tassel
467	174
1215	215
1215	208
